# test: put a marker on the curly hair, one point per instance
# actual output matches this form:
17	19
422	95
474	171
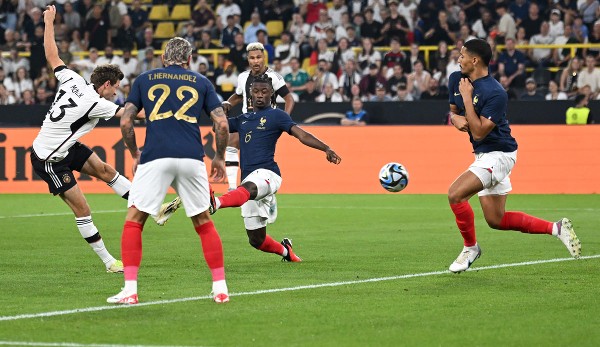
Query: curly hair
177	51
106	72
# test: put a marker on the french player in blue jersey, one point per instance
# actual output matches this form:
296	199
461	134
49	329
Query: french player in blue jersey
258	132
478	106
173	98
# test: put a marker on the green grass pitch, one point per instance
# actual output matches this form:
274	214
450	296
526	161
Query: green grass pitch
351	290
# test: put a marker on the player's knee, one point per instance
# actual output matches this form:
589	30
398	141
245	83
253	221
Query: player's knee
252	188
453	196
255	240
493	223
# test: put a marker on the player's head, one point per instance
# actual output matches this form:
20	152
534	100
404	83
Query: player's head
475	54
178	51
256	57
106	79
262	90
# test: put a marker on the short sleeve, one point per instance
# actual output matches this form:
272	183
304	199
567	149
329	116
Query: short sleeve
135	94
277	81
495	107
211	100
64	75
239	90
104	109
285	121
453	86
233	122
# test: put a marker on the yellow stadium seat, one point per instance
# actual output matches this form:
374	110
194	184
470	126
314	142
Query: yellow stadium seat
159	12
180	28
274	28
164	30
276	42
227	87
164	44
181	12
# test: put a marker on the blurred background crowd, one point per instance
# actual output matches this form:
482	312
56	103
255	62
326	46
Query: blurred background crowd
334	51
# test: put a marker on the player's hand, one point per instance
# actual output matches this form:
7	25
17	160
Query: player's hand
226	107
49	14
332	157
136	160
217	169
465	88
459	122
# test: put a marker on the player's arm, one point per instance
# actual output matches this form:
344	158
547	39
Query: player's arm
221	128
457	120
127	117
289	99
479	127
121	111
49	42
310	140
233	100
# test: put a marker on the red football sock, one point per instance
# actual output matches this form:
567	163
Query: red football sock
131	249
271	246
465	220
235	198
212	249
514	220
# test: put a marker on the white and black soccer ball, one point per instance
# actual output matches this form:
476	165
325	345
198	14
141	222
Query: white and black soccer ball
393	177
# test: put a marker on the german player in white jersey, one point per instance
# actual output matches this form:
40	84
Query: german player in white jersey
173	98
77	108
256	60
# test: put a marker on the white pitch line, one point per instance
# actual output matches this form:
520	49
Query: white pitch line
278	290
73	344
58	214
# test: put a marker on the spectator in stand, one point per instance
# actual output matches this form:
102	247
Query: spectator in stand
84	8
440	31
251	30
519	10
317	31
509	91
97	29
336	10
63	52
368	55
407	8
353	40
369	82
511	63
380	94
148	40
419	79
190	35
588	10
402	93
128	64
196	60
356	93
330	37
580	31
580	114
115	17
322	53
357	6
590	76
394	57
228	33
297	78
484	25
139	16
356	116
340	29
77	43
262	37
228	7
86	66
569	77
5	97
310	92
27	98
542	57
594	38
237	54
521	40
554	93
439	60
279	68
229	77
349	78
311	10
126	36
396	78
300	32
557	27
14	62
324	76
493	65
29	22
396	25
464	33
532	23
109	57
149	62
531	93
414	55
343	53
569	8
9	40
453	64
21	83
37	58
203	16
562	56
435	91
286	49
506	23
42	97
329	94
371	28
43	80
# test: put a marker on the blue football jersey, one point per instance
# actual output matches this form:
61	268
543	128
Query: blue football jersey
259	132
490	101
173	99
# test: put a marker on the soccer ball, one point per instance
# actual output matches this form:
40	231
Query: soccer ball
393	177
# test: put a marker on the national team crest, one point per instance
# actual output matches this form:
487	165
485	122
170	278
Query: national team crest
263	120
66	179
475	99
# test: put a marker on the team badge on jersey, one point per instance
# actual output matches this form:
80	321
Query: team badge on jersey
263	120
475	99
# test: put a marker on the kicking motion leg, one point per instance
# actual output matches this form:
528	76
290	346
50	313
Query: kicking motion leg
260	240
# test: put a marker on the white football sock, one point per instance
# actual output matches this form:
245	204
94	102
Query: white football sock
120	184
130	286
555	229
231	166
90	233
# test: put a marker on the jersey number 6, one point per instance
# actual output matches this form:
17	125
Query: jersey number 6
166	91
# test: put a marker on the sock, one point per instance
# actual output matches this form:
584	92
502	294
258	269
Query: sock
90	233
554	229
120	185
234	198
131	249
212	249
130	286
525	223
272	246
231	166
465	220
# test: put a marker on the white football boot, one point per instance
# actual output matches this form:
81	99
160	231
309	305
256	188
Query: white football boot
566	234
465	258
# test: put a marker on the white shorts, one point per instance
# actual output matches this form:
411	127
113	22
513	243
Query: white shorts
262	211
493	170
187	176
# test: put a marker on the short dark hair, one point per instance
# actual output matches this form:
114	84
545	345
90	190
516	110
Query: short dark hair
106	72
479	48
264	78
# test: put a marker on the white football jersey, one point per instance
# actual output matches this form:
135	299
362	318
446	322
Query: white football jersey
245	80
76	110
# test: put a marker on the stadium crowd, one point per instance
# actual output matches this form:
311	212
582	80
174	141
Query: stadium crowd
329	51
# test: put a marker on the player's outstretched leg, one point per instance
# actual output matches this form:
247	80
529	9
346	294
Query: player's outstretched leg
259	239
566	234
232	163
212	248
90	233
166	211
131	250
233	198
465	258
290	256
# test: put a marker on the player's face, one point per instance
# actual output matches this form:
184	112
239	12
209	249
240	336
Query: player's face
110	90
261	95
256	60
466	61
